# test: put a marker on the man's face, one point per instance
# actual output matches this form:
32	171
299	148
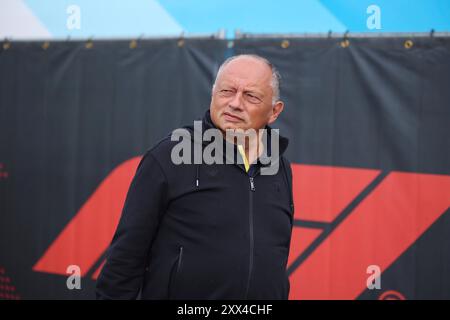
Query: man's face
242	96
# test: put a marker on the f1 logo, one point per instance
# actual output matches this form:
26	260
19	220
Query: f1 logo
339	212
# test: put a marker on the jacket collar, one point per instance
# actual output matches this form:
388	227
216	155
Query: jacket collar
207	123
262	161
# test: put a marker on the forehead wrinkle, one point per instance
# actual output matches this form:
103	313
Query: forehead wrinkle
245	88
252	86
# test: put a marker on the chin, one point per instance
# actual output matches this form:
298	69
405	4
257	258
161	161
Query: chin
231	126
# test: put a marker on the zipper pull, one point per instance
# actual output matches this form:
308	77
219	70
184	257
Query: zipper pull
252	184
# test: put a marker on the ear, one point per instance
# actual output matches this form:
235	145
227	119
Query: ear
276	110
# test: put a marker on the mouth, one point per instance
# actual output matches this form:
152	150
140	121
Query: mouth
231	118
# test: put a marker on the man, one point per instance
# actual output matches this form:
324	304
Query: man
210	231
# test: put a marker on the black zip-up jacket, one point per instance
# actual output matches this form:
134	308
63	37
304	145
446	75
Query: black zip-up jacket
199	231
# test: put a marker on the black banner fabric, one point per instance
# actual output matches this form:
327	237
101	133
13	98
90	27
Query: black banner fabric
369	127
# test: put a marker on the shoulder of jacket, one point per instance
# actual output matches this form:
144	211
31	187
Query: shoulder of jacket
162	146
161	151
286	163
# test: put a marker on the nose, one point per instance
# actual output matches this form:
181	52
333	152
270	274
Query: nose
236	102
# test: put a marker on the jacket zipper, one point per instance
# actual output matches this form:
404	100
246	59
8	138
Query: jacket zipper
252	184
250	218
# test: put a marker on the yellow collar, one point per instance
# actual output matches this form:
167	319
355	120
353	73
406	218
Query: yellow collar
242	152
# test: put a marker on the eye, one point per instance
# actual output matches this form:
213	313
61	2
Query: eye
226	92
252	98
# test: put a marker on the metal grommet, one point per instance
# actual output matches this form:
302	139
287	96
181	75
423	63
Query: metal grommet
6	45
230	44
408	44
89	44
345	43
133	44
285	44
45	45
180	43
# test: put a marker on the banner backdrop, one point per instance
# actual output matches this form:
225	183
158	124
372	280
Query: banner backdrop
369	127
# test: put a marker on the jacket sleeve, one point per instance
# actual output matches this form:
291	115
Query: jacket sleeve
122	274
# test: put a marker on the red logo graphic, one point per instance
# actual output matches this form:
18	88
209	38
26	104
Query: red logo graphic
7	289
90	232
3	173
391	295
345	220
393	211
